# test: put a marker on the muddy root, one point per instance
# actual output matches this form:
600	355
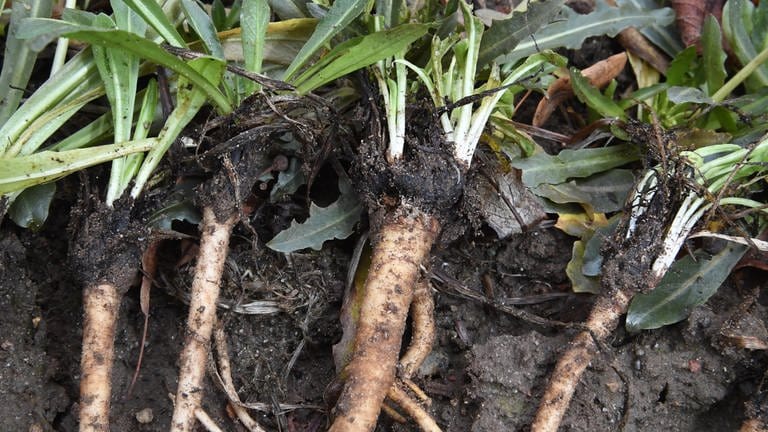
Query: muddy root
403	243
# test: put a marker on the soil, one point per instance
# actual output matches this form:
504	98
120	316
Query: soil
485	373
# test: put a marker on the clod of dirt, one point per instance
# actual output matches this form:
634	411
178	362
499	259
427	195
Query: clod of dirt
107	245
428	176
538	255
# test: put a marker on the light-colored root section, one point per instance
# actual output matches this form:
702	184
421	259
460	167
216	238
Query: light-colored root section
402	244
101	304
413	409
753	426
214	244
423	324
572	363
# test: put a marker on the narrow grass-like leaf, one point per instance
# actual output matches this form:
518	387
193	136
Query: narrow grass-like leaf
153	14
254	21
141	131
339	16
689	283
19	57
358	53
391	10
504	35
25	171
203	25
543	168
30	208
324	223
189	99
78	70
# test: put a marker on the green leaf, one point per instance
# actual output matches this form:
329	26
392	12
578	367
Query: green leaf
289	9
604	192
679	71
358	53
25	171
30	208
15	74
153	14
679	95
713	55
339	16
254	20
122	40
591	96
324	223
737	23
391	10
571	28
690	282
202	24
543	168
504	35
592	261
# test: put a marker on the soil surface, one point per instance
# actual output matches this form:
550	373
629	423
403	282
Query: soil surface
486	372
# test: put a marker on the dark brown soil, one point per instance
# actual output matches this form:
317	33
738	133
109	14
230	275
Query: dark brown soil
485	374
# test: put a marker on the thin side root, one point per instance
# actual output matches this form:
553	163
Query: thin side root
402	244
400	397
101	304
202	314
423	324
225	375
571	365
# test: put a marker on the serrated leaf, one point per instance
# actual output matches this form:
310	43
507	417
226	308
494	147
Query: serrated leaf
339	16
544	168
570	29
337	221
504	35
288	181
689	283
30	208
604	192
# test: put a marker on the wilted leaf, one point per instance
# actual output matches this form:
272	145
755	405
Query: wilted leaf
604	192
544	168
592	261
690	282
599	75
579	281
576	224
30	208
337	221
504	203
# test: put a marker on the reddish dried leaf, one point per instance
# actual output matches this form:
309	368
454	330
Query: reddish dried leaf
599	75
690	17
